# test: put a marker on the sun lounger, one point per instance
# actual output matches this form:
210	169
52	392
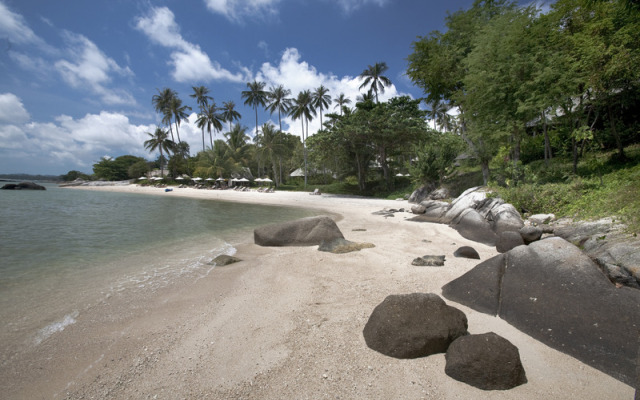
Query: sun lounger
316	192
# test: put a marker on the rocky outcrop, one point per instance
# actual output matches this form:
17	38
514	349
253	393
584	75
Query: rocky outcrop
302	232
487	361
223	259
552	291
23	186
508	240
413	325
474	215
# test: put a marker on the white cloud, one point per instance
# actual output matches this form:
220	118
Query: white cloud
13	26
352	5
88	66
189	62
297	75
12	110
237	10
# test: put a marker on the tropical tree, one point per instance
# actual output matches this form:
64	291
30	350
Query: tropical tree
209	118
341	101
238	147
179	113
159	140
270	146
200	93
278	100
162	104
303	110
255	96
373	78
321	100
229	112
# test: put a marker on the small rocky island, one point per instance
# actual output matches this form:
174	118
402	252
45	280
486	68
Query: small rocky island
23	186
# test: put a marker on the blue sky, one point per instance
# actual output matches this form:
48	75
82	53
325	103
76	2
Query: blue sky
77	76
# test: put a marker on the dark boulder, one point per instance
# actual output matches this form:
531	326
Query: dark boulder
555	293
508	240
467	252
505	218
413	325
487	361
23	186
302	232
421	193
530	233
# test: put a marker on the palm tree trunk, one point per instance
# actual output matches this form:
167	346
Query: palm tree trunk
202	139
305	152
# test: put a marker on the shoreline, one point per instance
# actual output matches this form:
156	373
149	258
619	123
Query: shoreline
286	322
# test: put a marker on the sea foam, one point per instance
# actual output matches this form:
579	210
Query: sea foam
56	327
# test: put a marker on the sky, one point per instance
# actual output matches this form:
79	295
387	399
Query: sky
77	77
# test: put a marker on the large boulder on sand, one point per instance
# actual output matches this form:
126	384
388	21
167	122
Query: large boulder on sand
505	218
413	325
487	361
309	231
471	225
552	291
508	240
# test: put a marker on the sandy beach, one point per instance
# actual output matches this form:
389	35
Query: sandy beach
286	323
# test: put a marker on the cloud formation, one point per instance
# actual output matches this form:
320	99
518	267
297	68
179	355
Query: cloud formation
12	110
14	28
189	62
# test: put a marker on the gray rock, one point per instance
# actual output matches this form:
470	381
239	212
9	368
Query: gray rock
421	193
23	186
418	209
508	240
223	260
467	252
555	293
530	233
472	226
469	199
487	361
413	325
302	232
541	219
341	246
486	206
428	261
504	218
439	194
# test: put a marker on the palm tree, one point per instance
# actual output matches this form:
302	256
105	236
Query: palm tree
162	104
303	110
438	114
229	113
255	96
270	146
179	113
159	140
321	100
374	79
277	99
238	146
209	118
200	93
341	101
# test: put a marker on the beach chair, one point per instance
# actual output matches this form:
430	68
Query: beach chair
316	192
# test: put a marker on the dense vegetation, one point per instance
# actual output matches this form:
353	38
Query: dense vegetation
543	107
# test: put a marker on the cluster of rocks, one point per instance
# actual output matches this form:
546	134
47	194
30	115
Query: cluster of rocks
491	221
23	186
421	324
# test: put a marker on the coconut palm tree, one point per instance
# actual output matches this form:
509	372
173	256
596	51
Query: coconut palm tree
341	101
374	79
161	102
303	110
270	146
238	146
278	99
255	96
159	140
321	100
212	120
200	93
179	113
229	113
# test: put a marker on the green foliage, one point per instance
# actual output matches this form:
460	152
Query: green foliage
434	156
73	175
115	169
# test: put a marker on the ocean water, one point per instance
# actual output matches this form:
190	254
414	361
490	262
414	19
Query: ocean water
63	250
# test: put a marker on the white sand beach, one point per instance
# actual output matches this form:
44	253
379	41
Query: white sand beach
287	323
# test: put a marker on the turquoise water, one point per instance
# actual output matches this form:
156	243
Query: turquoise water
62	250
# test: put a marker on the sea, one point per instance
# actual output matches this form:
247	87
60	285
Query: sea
63	250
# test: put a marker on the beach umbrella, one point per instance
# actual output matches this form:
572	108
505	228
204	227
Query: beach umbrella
221	179
258	180
142	177
407	175
179	178
209	179
399	175
197	178
267	180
